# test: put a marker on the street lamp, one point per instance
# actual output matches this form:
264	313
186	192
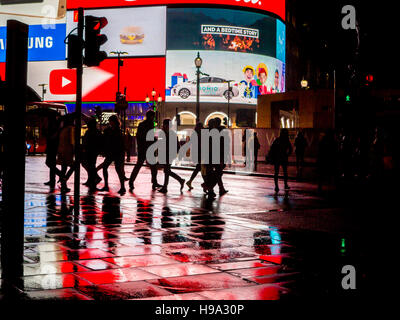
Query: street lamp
155	103
198	62
304	84
118	94
229	98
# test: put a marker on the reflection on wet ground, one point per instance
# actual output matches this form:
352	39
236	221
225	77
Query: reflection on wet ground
151	246
136	248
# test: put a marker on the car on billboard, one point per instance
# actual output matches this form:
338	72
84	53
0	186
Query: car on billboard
209	86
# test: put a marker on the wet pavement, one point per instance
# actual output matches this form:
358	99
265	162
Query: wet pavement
147	245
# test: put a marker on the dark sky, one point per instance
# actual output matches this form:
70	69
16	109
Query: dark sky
379	24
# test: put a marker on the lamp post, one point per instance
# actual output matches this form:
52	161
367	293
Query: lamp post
229	98
117	96
155	103
198	62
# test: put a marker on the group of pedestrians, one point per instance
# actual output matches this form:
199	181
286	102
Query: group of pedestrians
338	155
111	143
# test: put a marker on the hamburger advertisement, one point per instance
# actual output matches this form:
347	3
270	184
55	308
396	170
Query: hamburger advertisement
132	35
137	31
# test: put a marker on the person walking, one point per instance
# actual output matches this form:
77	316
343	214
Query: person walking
219	167
114	152
279	153
169	134
128	145
143	145
65	150
197	131
91	149
300	144
207	169
52	131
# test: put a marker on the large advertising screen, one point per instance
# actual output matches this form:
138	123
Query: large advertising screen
252	75
139	75
243	55
47	27
137	31
274	6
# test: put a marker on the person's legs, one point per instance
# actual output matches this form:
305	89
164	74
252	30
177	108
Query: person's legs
136	170
106	164
193	176
119	168
167	170
218	171
154	171
285	174
276	175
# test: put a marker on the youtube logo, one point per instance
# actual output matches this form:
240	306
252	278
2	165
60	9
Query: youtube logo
62	81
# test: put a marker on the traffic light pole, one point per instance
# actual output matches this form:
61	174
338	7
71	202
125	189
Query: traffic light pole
78	112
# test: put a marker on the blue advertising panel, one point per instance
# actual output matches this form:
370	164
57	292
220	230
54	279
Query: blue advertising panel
45	42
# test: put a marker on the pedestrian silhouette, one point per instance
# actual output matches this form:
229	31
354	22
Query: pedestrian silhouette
114	152
143	128
279	153
91	149
197	131
65	150
219	167
51	132
128	145
169	134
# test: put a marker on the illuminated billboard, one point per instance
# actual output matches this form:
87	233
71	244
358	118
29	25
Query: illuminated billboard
252	75
137	31
243	55
139	75
276	6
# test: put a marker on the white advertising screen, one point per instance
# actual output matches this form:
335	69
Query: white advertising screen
251	74
137	31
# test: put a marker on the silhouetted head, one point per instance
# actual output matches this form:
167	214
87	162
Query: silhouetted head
92	124
150	115
212	124
114	121
217	122
198	126
165	124
284	133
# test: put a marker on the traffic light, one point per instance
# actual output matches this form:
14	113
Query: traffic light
98	111
93	40
348	98
74	51
121	102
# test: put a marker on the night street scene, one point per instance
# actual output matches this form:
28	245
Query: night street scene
238	152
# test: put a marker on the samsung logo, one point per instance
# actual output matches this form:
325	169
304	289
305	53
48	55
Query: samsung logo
34	43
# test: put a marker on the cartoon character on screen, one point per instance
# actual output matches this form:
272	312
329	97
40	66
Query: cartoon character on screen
283	82
275	88
262	75
249	84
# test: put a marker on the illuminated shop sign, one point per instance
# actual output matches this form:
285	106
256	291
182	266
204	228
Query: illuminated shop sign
45	42
274	6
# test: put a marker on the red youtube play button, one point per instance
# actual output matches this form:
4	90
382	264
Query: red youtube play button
62	81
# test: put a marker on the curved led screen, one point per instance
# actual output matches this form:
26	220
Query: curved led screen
243	55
